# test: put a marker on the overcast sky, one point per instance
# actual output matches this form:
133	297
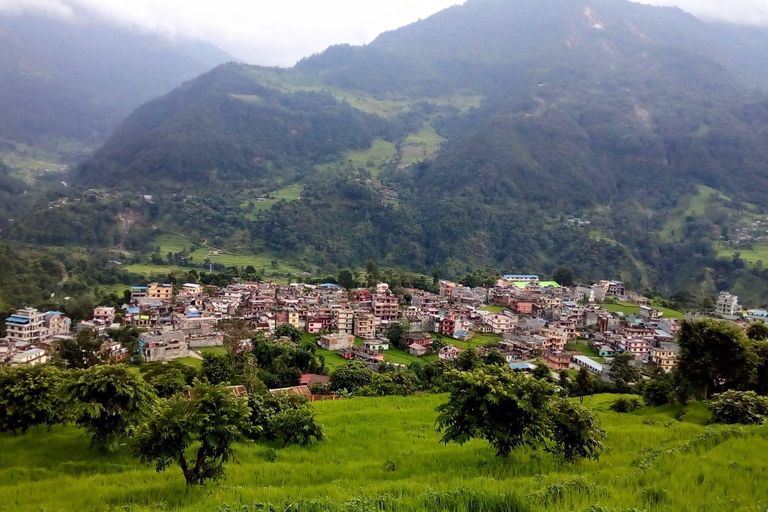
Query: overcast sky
279	32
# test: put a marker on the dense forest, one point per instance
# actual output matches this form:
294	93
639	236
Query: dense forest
623	140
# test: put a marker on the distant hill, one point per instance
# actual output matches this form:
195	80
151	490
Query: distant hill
500	133
65	84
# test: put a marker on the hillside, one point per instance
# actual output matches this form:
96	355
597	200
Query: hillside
66	83
384	454
496	134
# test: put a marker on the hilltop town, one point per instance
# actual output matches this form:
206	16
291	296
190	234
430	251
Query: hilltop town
522	318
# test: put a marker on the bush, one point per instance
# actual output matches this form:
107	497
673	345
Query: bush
657	393
744	407
283	416
624	405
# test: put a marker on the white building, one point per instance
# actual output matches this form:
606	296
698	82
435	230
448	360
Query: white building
590	364
30	357
728	305
27	325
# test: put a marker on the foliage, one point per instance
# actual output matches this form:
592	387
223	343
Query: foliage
401	382
169	383
745	407
283	416
622	369
106	401
575	432
563	276
584	385
29	397
624	405
506	409
289	331
757	331
715	356
216	368
198	433
658	392
82	351
350	376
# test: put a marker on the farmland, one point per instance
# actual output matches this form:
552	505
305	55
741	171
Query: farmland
384	454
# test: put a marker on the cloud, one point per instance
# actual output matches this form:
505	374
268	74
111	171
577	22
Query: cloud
280	32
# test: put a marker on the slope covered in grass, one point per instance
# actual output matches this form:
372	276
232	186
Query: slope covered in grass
384	454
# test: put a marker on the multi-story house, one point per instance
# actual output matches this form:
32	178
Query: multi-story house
27	325
160	291
365	326
728	305
344	320
104	315
500	324
664	358
57	323
385	307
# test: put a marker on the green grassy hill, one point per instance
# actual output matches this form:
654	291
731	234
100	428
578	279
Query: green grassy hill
384	454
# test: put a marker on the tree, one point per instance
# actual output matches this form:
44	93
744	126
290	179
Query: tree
350	376
198	432
289	331
81	351
105	401
585	384
495	358
757	331
745	407
467	360
564	276
506	409
658	392
575	432
372	274
347	280
715	356
542	371
624	405
216	369
29	397
565	382
622	369
283	416
168	383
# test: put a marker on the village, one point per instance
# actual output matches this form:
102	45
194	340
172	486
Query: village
523	318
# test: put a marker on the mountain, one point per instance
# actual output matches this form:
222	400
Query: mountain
66	83
621	139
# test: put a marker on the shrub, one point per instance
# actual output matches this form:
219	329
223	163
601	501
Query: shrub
657	393
283	416
744	407
624	405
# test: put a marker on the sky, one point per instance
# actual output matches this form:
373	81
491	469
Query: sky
280	32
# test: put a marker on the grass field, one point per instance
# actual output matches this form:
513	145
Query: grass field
383	454
759	253
633	309
423	145
288	193
584	349
494	309
692	206
478	340
373	159
147	269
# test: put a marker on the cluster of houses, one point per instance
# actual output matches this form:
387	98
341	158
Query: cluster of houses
529	317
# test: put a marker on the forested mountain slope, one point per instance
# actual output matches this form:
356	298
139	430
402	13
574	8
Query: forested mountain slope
65	83
500	133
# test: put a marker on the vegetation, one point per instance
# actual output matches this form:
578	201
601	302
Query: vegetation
745	407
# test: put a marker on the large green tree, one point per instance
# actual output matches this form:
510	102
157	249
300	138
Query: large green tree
106	401
715	356
198	432
29	397
506	409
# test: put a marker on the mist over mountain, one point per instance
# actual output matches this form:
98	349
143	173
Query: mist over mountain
66	83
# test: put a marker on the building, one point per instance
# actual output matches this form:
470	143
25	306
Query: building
446	289
385	307
160	291
57	323
728	305
344	320
521	278
557	360
449	352
29	357
500	324
664	358
336	341
365	326
417	350
104	315
26	325
590	364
